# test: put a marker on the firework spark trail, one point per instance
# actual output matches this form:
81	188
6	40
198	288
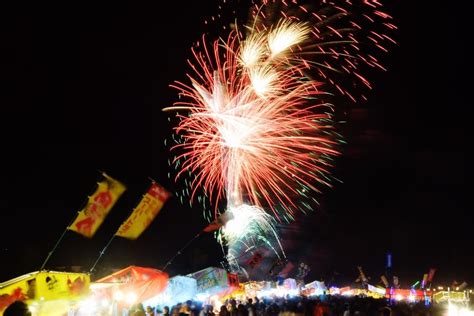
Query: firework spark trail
259	125
238	137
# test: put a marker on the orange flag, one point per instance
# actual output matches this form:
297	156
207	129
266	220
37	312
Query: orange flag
98	207
144	213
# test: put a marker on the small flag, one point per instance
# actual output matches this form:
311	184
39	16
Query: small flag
98	207
218	222
144	213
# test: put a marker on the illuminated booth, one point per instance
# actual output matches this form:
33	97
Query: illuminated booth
46	292
214	281
410	295
180	289
129	286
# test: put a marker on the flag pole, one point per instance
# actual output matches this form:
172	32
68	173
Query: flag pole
181	250
57	243
102	253
214	225
65	231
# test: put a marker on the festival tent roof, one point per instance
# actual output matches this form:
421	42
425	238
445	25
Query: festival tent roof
142	282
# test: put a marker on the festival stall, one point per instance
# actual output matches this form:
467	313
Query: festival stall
315	288
214	281
375	291
410	295
129	286
46	292
180	289
451	297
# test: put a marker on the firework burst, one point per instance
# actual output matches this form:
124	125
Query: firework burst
259	122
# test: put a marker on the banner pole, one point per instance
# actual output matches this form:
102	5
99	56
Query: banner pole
101	254
64	233
57	244
181	250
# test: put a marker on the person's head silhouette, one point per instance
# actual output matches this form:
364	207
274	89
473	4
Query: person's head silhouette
17	308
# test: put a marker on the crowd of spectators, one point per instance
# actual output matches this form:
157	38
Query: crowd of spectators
296	306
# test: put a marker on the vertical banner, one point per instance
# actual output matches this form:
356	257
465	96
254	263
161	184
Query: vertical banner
431	274
362	277
144	213
424	281
98	207
396	282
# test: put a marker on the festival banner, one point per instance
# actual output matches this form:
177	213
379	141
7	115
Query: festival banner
431	274
396	282
144	213
362	278
424	281
98	207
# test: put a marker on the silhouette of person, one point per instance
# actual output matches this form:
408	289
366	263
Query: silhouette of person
17	308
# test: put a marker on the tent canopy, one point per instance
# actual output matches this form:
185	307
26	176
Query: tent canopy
143	282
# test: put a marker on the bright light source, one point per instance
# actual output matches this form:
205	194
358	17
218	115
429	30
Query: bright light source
201	297
118	296
131	298
88	306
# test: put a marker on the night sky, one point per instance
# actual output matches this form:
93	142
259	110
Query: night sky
82	88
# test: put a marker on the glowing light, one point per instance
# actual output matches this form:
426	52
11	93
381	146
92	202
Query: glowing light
246	218
118	296
88	306
287	34
201	297
399	297
454	310
253	50
130	298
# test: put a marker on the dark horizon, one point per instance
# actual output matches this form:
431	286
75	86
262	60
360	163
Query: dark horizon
83	91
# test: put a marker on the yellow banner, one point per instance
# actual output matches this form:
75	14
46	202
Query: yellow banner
144	213
100	203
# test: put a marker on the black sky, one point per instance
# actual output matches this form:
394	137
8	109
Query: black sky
82	87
